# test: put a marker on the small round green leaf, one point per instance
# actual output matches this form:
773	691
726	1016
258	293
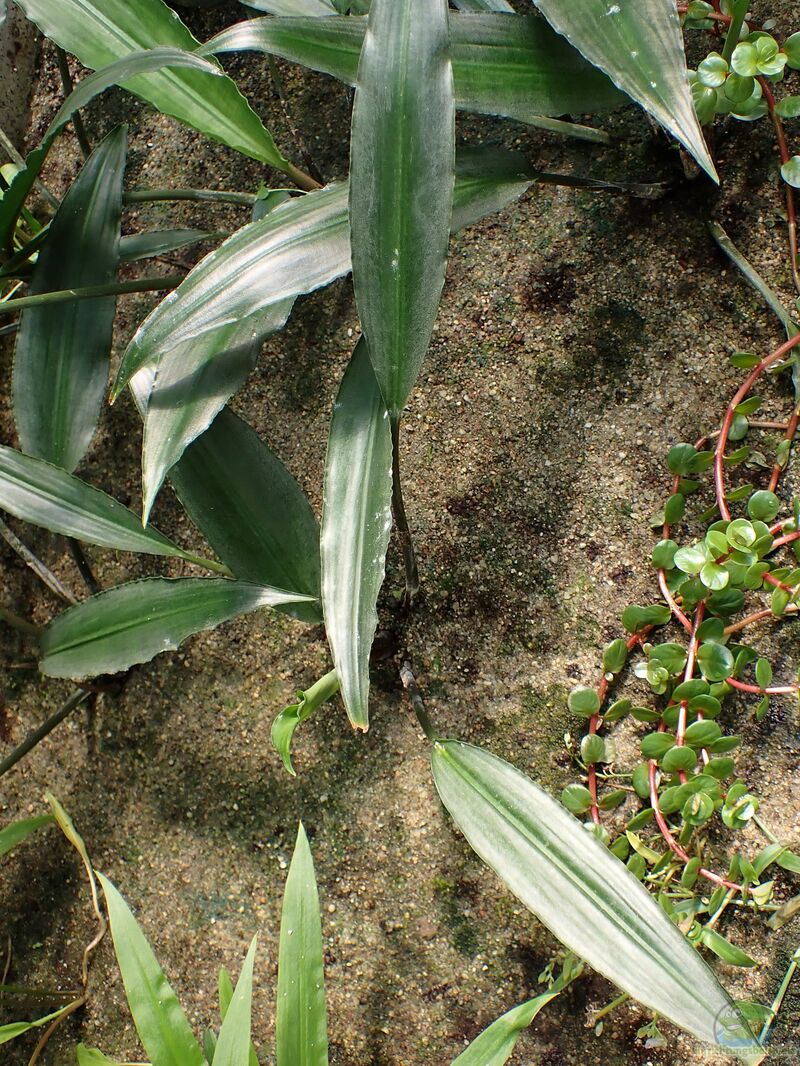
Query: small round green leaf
715	661
584	701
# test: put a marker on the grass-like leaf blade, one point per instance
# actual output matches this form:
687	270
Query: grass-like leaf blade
301	1036
251	511
640	46
47	496
132	623
402	172
356	523
135	63
517	68
583	893
99	32
61	359
16	832
476	6
161	1024
12	1030
233	1042
494	1045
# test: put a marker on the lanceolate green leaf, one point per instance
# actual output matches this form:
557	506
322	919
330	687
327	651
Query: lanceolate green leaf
160	1022
61	359
484	5
516	68
132	623
356	523
184	392
301	1037
136	63
303	241
48	496
585	895
177	389
151	243
313	8
402	172
495	1044
16	832
14	1029
639	44
251	511
99	32
233	1044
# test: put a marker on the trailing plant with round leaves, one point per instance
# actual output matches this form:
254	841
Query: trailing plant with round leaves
413	65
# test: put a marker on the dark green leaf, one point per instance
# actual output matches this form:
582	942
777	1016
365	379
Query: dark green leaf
251	511
293	8
356	522
48	496
157	242
156	59
301	1037
132	623
580	890
61	358
515	68
99	32
402	173
640	47
159	1020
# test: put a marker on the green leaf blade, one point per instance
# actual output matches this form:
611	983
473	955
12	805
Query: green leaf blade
496	1043
251	511
16	832
640	46
296	248
61	359
99	32
356	523
402	173
233	1043
581	892
132	623
160	1022
516	68
301	1037
47	496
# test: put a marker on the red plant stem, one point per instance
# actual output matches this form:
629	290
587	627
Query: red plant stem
670	840
594	723
788	539
722	441
783	150
776	690
759	616
777	469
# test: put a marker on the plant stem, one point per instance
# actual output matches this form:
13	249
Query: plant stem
777	1003
42	572
16	622
747	269
148	196
209	564
47	726
401	521
82	563
722	440
411	687
91	292
67	86
623	998
301	179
